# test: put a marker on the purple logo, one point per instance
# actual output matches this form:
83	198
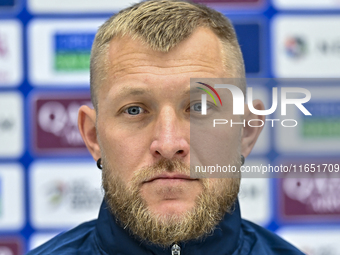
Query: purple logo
11	246
56	123
309	197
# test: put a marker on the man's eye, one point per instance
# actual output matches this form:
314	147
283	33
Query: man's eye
196	107
134	110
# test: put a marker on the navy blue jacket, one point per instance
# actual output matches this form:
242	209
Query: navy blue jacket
105	236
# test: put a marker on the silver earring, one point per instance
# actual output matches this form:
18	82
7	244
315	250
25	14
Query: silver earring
242	160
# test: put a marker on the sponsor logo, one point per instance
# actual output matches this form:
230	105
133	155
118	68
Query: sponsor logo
64	194
77	195
304	48
59	50
309	198
325	122
11	246
10	53
56	123
295	47
318	134
72	51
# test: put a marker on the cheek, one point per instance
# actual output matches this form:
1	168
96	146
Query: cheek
217	145
214	140
124	153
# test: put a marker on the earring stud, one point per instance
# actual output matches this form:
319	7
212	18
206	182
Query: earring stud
99	163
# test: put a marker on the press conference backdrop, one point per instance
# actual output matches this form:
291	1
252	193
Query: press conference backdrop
48	181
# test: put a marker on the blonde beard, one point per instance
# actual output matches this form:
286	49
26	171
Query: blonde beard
132	212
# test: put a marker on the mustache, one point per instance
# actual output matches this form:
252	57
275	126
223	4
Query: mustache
162	166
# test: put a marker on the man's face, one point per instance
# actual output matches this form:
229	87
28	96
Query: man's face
143	113
143	130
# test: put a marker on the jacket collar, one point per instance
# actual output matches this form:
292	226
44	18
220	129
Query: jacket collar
113	239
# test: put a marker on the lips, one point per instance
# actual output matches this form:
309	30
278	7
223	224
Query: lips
170	177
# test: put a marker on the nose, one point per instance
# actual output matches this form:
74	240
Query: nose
171	136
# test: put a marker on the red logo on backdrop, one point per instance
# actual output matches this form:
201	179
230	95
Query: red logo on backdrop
10	247
310	198
55	120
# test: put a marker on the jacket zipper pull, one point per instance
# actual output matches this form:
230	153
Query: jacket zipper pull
175	249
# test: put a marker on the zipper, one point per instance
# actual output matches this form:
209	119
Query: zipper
175	249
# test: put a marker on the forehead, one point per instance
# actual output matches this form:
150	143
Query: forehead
200	55
202	46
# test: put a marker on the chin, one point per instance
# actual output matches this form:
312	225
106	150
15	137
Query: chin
171	208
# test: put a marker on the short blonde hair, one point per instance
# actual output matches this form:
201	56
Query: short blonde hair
163	24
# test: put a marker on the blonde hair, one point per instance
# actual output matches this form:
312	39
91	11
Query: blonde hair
163	24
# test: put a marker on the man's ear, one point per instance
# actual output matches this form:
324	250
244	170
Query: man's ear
250	134
87	128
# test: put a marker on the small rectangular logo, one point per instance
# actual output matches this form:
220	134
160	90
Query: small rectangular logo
326	121
59	51
320	129
72	51
11	246
303	48
310	199
64	194
55	123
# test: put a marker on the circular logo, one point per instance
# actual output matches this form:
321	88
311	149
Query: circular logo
295	47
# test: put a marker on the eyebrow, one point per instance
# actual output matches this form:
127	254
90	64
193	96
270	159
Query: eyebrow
133	91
